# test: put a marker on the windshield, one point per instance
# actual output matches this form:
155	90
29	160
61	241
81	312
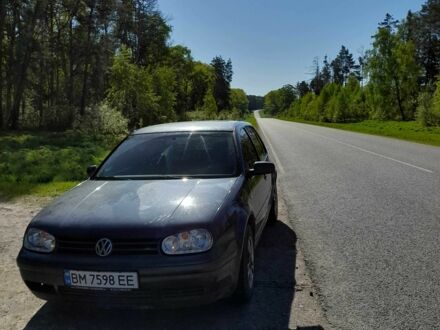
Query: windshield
181	154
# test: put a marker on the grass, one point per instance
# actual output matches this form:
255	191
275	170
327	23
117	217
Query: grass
409	130
47	164
10	190
250	118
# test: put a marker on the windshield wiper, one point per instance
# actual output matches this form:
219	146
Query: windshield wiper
141	177
105	178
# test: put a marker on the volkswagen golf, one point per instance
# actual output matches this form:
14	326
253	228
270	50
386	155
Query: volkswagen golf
171	217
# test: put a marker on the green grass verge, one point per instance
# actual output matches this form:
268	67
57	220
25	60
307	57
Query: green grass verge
47	164
250	118
410	130
10	190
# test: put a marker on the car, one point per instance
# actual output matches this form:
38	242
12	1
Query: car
171	217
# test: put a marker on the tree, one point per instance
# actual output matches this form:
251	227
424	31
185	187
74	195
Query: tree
423	29
201	81
279	100
342	66
24	50
326	74
180	60
142	29
209	105
255	102
239	101
316	83
428	111
131	91
393	72
302	88
223	77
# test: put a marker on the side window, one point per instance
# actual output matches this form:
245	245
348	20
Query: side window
249	154
261	150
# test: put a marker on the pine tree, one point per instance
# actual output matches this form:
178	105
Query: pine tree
222	86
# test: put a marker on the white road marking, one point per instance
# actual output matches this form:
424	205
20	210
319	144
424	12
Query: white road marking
272	150
369	151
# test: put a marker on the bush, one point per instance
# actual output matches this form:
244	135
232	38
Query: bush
222	115
101	119
426	111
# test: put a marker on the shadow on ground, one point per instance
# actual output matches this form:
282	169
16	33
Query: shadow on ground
270	307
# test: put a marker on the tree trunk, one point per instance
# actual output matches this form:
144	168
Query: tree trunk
2	25
25	49
82	109
399	98
11	63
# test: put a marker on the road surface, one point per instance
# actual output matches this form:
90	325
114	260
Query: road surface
366	210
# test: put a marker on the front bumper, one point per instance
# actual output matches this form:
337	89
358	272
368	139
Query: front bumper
164	281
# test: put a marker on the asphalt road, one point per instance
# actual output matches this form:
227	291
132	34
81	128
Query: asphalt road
366	210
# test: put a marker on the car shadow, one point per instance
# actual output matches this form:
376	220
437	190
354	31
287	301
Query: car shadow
270	307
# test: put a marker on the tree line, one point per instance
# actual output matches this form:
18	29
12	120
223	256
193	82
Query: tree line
397	79
82	63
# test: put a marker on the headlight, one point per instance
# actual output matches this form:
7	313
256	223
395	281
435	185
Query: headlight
193	241
38	240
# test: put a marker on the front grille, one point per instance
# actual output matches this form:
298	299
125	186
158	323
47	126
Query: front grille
120	247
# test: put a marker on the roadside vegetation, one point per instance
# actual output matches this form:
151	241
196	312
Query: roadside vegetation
409	130
76	76
64	63
250	118
45	163
392	89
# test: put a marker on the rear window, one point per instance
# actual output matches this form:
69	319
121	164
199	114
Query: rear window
179	154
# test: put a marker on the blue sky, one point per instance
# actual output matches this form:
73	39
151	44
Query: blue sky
273	42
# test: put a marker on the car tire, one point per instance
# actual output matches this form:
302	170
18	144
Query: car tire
273	213
246	278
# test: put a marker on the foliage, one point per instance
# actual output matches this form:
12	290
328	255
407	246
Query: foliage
209	106
343	66
223	115
335	103
100	120
279	100
33	159
59	60
10	190
131	90
250	118
435	110
223	77
393	72
383	84
202	82
428	111
239	101
423	29
255	102
408	130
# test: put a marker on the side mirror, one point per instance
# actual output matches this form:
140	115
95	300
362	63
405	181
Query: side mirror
261	168
91	170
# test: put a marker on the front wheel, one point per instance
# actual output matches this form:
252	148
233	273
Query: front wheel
245	285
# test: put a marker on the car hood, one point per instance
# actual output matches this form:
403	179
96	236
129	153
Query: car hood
126	207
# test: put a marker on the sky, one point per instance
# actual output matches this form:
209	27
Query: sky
273	42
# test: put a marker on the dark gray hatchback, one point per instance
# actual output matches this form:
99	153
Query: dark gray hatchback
171	217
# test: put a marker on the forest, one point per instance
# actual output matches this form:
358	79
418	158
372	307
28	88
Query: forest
396	79
103	65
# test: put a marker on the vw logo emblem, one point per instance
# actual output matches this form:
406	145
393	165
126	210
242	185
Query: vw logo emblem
103	247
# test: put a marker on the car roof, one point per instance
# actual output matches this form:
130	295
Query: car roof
186	126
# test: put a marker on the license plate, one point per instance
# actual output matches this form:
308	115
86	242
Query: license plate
101	280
